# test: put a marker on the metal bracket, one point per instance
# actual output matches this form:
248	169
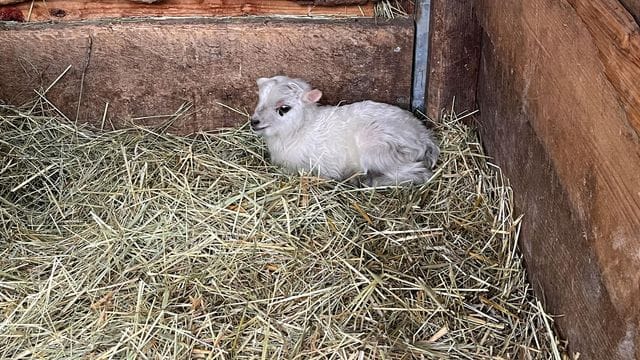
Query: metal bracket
421	56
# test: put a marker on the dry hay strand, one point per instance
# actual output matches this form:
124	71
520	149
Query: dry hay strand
140	244
389	9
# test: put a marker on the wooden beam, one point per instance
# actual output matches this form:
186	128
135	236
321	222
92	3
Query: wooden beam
616	35
454	56
150	68
69	10
556	120
633	6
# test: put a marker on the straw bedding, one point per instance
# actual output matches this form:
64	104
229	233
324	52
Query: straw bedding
140	244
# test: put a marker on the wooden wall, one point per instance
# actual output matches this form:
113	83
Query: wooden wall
149	68
71	10
556	82
558	93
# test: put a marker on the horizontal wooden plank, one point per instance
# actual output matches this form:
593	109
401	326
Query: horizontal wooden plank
69	10
555	120
332	2
150	68
8	13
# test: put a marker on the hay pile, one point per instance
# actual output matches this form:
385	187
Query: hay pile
138	244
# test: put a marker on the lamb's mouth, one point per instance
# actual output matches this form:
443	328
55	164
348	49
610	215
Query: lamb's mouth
259	128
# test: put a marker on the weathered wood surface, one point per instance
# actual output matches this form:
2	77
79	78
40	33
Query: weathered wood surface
454	53
67	10
332	2
633	6
8	13
151	68
557	120
616	35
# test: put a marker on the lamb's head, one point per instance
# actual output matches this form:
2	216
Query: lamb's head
282	102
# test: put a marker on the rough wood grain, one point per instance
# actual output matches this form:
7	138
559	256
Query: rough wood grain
559	127
454	57
617	38
8	13
151	68
67	10
332	2
633	6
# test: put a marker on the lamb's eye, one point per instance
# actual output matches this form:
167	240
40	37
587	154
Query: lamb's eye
283	109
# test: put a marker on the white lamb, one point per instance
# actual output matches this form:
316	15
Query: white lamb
375	143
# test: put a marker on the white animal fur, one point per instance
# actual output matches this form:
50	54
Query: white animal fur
385	143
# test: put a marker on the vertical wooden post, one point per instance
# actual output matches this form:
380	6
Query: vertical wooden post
454	57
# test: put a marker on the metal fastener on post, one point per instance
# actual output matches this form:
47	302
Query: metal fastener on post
420	56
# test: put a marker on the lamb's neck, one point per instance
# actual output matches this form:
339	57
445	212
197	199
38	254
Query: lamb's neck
305	126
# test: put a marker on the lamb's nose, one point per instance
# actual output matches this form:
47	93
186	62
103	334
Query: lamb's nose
254	122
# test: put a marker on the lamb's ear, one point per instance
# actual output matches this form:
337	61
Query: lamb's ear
312	96
261	81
